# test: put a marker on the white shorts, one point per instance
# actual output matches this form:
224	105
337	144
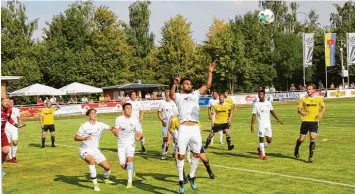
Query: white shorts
11	133
125	150
189	136
95	153
264	130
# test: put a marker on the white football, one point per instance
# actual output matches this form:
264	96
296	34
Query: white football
266	16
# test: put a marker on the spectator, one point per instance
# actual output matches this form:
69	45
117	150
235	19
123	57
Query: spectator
340	87
267	89
91	101
292	88
46	100
320	85
60	100
40	101
84	100
53	100
102	98
272	89
300	87
352	85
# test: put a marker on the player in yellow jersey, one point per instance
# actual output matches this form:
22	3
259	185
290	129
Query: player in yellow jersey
308	108
47	122
221	120
173	129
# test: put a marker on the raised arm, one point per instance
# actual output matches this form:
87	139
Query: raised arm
173	87
204	88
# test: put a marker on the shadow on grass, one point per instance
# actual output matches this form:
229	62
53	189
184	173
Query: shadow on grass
279	155
139	184
35	145
157	176
77	180
233	154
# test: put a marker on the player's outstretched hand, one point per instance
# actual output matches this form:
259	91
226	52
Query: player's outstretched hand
212	66
176	80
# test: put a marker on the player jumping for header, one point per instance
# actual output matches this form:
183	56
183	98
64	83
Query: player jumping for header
189	132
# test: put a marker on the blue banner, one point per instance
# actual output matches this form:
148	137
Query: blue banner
204	101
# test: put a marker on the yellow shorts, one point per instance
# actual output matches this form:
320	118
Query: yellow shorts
174	124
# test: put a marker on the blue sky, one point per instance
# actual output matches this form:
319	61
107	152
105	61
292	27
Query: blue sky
199	13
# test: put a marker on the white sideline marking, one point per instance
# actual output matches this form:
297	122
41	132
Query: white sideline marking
253	171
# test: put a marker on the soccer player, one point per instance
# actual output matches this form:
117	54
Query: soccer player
308	108
211	103
221	119
173	129
6	112
189	131
126	126
47	122
167	109
89	134
137	112
229	100
12	132
262	109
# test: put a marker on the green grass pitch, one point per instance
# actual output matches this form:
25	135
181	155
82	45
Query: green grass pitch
60	170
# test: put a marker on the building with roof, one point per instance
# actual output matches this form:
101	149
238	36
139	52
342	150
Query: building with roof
5	80
114	92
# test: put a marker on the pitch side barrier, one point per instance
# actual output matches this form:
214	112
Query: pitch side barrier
33	111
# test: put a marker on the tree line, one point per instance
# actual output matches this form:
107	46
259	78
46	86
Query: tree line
91	45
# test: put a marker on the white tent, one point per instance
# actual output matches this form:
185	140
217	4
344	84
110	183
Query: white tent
79	88
37	90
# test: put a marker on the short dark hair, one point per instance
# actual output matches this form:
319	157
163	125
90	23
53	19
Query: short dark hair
130	94
261	91
214	91
184	79
89	111
126	104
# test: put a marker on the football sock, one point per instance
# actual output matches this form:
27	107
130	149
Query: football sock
229	140
13	151
208	141
312	147
262	149
92	170
53	139
106	174
180	167
193	167
130	168
43	141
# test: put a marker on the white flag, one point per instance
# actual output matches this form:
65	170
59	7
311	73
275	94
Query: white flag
350	47
308	46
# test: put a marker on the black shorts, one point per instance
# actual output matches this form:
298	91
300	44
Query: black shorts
312	127
219	127
51	128
201	151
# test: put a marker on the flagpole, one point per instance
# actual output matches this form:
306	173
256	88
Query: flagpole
326	72
304	64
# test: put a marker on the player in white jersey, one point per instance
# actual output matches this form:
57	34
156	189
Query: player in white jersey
189	131
89	134
262	109
167	109
211	103
12	132
126	128
137	112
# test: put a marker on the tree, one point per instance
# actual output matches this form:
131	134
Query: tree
177	50
17	55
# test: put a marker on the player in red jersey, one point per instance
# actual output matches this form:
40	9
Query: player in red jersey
5	117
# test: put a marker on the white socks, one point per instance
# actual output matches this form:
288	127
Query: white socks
13	151
180	167
262	148
130	168
106	174
193	167
92	170
266	144
164	148
220	133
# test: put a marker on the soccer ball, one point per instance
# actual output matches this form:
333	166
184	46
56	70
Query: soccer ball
266	16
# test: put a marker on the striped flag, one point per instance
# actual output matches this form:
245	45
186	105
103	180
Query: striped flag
330	39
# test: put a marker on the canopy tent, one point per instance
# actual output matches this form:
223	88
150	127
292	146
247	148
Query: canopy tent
79	88
37	90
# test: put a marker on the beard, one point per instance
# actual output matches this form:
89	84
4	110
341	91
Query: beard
189	90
